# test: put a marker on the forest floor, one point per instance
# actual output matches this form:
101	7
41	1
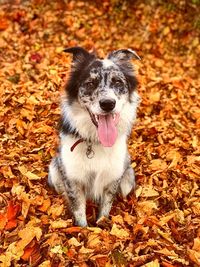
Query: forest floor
160	224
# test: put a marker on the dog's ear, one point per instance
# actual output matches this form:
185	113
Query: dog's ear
123	55
79	54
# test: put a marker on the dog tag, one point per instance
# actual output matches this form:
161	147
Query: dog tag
89	151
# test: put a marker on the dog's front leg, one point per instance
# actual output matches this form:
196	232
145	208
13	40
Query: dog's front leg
107	199
127	183
77	202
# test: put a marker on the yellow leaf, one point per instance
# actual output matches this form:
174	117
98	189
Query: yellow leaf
57	249
163	220
154	263
166	252
59	49
96	230
32	100
196	245
165	235
55	210
28	174
194	256
138	191
196	208
148	191
158	164
120	233
154	96
174	156
32	176
94	240
60	224
118	219
85	250
45	264
146	208
166	30
5	259
74	242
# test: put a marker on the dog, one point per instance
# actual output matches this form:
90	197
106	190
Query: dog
97	112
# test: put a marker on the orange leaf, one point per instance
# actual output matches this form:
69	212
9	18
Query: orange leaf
166	264
73	229
11	224
45	205
27	253
3	221
12	210
31	252
3	24
71	252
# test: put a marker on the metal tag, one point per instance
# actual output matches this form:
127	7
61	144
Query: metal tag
89	151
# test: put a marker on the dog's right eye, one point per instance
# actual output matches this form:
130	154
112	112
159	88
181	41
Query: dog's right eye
90	85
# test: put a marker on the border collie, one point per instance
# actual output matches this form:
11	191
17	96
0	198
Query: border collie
97	113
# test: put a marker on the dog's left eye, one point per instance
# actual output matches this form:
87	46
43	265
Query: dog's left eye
117	82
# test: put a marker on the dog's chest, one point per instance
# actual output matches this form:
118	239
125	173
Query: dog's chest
106	165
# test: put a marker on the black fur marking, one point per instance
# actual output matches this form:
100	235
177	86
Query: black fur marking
66	128
79	73
95	67
127	70
79	53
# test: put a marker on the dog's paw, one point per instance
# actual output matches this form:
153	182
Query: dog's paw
81	223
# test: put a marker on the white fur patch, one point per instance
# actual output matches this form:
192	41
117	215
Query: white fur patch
107	63
106	166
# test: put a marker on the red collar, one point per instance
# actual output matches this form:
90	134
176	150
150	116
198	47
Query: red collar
76	143
89	151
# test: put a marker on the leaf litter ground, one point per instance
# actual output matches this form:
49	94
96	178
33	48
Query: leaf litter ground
159	225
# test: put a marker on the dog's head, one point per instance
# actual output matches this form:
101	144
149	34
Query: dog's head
102	87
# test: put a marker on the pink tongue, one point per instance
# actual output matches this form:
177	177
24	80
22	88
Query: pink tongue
107	131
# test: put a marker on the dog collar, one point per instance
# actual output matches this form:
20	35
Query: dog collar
76	143
89	151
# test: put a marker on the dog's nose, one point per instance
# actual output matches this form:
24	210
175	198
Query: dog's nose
107	104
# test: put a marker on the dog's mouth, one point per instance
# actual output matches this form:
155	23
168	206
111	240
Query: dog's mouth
106	127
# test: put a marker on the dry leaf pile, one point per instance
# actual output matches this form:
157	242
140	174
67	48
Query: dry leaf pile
160	225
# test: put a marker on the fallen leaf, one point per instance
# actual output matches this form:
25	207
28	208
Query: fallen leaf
154	263
149	191
3	23
146	208
94	240
158	164
74	229
74	242
45	205
60	224
120	233
85	250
